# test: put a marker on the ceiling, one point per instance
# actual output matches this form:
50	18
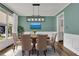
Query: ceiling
45	9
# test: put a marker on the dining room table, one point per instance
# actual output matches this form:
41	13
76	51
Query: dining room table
34	39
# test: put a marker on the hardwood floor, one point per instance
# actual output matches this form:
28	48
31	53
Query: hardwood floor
6	49
59	48
64	51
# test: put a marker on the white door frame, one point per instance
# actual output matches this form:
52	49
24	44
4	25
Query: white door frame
58	23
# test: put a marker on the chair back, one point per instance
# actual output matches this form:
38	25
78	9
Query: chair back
42	42
26	42
54	38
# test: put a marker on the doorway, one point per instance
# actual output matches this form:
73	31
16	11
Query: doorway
60	27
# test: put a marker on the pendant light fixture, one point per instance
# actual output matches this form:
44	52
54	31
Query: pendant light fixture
35	17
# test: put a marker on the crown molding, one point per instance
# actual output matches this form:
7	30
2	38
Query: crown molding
62	8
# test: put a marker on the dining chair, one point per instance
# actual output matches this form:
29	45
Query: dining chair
41	44
53	41
16	41
26	44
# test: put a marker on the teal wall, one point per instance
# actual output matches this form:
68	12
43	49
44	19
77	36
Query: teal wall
48	25
71	18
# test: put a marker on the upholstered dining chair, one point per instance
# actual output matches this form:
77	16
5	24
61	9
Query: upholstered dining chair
53	41
26	44
16	41
41	44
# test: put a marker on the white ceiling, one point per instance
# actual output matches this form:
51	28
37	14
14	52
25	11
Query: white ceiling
45	9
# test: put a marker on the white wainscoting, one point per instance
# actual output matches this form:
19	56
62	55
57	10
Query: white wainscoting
5	43
71	41
49	33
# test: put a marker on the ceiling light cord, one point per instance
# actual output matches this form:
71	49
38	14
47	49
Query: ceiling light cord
36	5
38	10
33	10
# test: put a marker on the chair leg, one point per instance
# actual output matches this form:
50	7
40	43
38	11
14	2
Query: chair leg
13	48
37	53
29	52
54	49
45	52
32	52
23	52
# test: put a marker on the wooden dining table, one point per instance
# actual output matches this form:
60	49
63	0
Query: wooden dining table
34	39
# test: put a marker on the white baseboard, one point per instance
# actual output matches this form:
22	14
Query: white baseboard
71	41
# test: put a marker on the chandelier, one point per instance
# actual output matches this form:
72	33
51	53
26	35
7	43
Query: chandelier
35	18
